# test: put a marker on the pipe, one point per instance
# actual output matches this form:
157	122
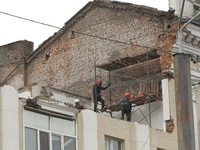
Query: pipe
179	31
148	87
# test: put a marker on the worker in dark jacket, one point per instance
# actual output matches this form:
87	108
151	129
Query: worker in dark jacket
97	94
126	107
78	105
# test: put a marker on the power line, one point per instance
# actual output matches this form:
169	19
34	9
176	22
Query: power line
29	20
117	41
81	34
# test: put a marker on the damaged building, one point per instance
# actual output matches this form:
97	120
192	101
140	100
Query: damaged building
131	47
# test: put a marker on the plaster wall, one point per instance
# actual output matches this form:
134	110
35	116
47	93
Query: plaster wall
9	118
21	125
115	128
196	124
197	95
165	95
188	11
140	114
133	136
53	96
166	105
87	130
172	104
162	140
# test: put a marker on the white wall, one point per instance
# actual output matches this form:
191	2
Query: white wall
195	120
165	96
9	118
89	130
140	114
142	137
188	11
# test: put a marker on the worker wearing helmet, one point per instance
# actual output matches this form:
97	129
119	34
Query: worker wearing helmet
78	105
97	87
126	107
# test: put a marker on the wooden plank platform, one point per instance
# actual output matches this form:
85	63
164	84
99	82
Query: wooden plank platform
143	100
127	61
137	102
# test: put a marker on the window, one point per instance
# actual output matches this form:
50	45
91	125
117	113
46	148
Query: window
113	144
47	132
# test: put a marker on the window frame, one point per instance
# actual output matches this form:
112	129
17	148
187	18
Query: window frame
111	139
49	131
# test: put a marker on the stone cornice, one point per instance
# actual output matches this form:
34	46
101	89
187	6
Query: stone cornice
190	38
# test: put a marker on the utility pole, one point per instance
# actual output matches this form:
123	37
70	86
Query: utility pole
183	93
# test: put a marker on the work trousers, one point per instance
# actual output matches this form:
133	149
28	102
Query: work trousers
99	99
128	114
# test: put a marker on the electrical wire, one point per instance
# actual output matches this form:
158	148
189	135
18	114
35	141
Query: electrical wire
91	35
29	20
111	40
20	61
117	41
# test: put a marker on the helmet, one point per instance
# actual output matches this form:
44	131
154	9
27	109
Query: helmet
127	94
99	81
77	100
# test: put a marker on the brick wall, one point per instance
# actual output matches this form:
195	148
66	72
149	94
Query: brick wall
166	42
12	62
70	65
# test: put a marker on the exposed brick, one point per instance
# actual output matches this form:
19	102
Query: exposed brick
12	62
71	62
70	65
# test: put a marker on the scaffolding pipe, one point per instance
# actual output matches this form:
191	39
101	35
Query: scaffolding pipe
95	95
100	86
110	92
110	89
148	87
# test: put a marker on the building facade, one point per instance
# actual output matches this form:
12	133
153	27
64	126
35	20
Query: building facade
130	46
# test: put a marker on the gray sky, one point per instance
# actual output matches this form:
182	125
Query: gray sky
51	12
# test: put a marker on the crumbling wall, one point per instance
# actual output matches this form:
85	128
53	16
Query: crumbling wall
12	58
166	43
111	33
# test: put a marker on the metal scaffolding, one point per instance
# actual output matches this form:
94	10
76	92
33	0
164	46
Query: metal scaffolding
125	63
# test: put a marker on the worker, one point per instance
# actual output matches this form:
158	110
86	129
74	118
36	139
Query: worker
78	105
97	94
126	107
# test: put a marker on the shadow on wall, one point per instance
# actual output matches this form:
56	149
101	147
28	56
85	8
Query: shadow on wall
114	56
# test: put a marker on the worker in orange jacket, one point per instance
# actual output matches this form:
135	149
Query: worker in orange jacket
126	107
97	94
